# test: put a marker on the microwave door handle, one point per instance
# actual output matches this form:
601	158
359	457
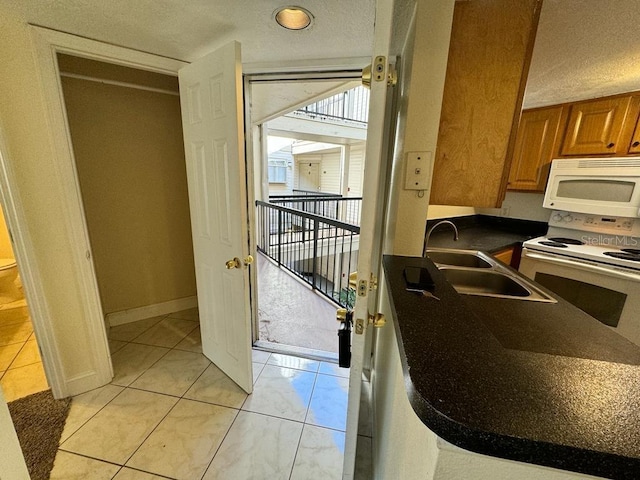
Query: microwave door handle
585	266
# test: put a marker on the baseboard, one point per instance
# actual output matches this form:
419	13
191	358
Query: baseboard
81	383
157	309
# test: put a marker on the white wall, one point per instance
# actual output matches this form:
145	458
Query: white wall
330	179
422	73
520	205
356	170
398	432
523	205
283	188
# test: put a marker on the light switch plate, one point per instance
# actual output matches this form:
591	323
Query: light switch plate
418	172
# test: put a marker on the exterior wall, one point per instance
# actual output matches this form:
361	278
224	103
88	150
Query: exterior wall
130	161
283	188
356	170
301	159
330	173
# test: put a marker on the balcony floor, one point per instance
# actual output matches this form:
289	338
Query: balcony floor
291	314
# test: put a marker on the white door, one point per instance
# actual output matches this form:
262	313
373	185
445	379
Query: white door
309	179
212	119
370	231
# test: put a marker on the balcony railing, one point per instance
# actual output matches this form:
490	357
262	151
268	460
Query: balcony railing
319	250
344	209
349	106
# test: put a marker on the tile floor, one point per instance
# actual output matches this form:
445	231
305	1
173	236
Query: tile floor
170	413
21	371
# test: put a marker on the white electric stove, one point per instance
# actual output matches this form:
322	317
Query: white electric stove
592	261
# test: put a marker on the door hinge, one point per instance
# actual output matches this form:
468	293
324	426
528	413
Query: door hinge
379	71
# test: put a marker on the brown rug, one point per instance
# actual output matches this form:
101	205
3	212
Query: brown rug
39	420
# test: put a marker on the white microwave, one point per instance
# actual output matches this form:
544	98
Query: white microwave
603	186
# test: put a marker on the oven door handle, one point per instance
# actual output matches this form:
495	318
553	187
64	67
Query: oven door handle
585	266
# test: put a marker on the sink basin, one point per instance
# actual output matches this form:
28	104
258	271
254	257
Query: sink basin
472	272
458	258
484	282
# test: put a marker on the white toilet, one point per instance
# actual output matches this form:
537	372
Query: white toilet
9	283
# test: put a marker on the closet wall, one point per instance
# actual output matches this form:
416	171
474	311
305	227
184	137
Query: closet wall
130	161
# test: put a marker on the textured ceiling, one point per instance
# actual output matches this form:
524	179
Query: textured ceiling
584	48
189	29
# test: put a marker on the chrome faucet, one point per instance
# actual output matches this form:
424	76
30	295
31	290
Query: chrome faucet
430	231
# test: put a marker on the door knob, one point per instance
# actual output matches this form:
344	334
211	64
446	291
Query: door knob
233	263
248	260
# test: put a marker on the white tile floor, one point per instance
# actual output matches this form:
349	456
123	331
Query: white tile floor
170	413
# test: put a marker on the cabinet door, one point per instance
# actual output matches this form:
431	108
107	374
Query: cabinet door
534	149
505	256
596	127
489	56
635	141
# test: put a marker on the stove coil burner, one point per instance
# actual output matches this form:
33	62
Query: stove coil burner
623	255
566	241
550	243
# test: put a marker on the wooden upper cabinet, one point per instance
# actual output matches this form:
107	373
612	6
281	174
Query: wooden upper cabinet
534	149
634	147
596	127
489	57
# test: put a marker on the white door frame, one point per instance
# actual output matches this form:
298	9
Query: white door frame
47	44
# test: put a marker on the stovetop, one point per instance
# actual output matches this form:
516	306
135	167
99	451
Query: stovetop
605	241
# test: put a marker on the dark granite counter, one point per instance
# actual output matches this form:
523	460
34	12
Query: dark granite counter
484	232
540	383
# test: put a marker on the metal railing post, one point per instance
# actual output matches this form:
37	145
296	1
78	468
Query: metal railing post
279	237
315	254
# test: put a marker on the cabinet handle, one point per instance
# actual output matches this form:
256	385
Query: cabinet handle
611	145
635	144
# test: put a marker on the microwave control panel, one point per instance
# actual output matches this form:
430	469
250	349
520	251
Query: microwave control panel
599	223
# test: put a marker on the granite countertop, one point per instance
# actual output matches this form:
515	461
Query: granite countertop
535	382
484	232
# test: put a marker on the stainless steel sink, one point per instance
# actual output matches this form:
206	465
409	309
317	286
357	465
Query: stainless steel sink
483	282
472	272
459	258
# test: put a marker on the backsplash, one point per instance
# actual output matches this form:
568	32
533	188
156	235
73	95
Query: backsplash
525	206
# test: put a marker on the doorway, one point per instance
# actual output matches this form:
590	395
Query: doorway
21	369
126	131
309	177
313	153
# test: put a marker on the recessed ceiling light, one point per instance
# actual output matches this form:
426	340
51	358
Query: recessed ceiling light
293	18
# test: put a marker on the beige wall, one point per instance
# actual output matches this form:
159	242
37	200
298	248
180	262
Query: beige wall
29	153
130	161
